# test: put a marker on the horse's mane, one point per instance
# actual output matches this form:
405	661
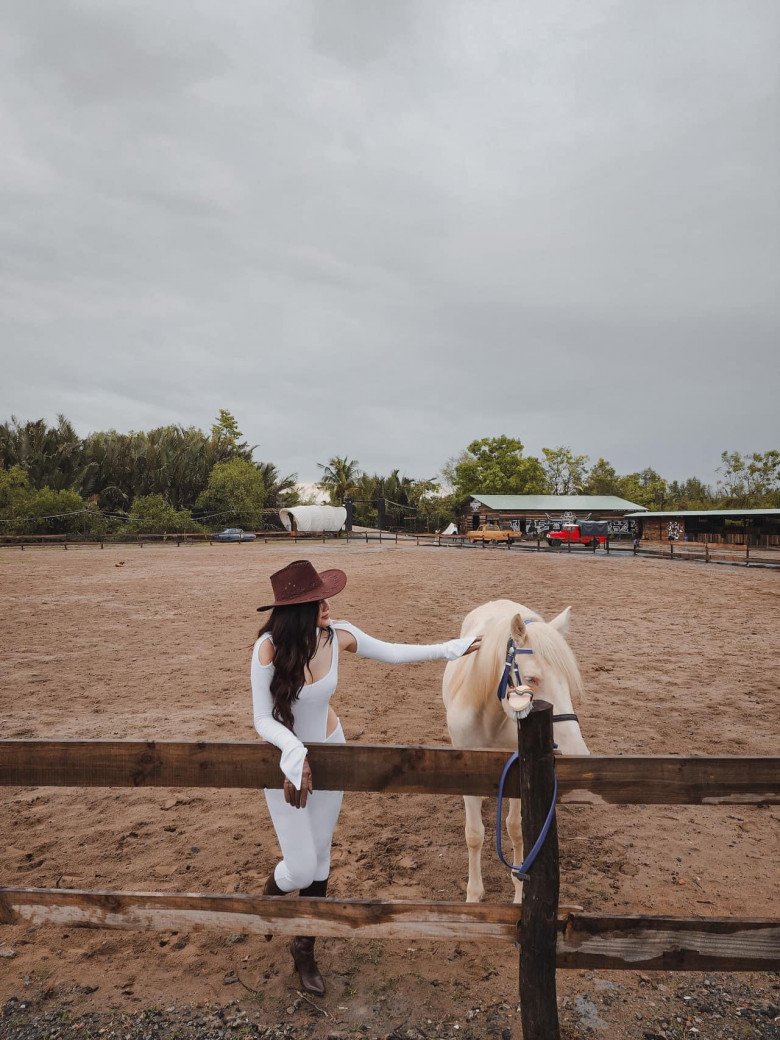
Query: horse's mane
550	644
481	672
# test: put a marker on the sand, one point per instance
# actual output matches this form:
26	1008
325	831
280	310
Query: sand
154	643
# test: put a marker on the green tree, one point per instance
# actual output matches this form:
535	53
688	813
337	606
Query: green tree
603	480
690	494
14	488
339	477
236	492
279	491
60	512
365	490
496	466
28	510
49	455
226	428
646	488
566	472
436	511
225	443
749	481
151	514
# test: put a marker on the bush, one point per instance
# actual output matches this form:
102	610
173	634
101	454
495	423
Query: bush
236	493
23	510
151	514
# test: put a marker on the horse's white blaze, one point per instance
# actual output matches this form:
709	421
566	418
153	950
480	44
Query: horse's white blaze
476	718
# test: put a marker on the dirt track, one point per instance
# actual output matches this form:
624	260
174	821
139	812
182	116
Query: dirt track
676	659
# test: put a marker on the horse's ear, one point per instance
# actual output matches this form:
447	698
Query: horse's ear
561	623
518	630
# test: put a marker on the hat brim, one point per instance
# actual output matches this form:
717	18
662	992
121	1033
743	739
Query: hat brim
332	582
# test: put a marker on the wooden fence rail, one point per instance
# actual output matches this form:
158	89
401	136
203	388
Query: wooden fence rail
629	942
646	779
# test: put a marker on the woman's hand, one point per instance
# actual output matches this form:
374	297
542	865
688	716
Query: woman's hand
295	797
474	646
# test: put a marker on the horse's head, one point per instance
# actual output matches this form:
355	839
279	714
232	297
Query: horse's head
545	662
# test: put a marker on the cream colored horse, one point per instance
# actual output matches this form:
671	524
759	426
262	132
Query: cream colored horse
477	719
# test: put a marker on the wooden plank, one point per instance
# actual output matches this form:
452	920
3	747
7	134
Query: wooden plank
651	779
346	919
669	943
669	779
629	942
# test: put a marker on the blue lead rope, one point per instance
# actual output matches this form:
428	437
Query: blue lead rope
521	872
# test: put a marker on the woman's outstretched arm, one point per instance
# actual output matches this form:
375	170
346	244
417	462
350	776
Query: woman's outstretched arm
405	653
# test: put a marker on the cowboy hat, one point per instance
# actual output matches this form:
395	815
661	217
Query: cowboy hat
299	582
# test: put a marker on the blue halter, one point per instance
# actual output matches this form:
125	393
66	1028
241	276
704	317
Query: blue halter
510	668
511	671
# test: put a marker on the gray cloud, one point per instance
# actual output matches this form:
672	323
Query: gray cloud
385	229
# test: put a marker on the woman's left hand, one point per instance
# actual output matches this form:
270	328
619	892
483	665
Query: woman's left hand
295	797
474	646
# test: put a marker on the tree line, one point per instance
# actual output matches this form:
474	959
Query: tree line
171	478
177	479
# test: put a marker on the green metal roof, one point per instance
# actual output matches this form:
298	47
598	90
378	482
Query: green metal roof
708	512
545	503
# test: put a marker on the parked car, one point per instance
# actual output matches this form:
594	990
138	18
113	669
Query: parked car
234	534
491	533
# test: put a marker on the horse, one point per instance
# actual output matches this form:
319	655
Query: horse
476	717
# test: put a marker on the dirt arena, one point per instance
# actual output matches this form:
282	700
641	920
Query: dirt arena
154	643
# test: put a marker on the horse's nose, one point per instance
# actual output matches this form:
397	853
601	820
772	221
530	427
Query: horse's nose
520	701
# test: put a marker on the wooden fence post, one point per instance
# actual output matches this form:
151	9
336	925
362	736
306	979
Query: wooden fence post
538	923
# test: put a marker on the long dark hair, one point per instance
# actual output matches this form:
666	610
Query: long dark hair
296	637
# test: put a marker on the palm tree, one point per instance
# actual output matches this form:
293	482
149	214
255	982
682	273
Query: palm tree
279	491
49	455
339	477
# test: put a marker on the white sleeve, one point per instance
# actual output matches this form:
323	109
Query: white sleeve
405	653
293	751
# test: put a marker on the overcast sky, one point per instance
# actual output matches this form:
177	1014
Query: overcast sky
383	228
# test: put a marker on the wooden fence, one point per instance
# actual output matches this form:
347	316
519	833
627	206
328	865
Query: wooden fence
699	552
551	935
66	541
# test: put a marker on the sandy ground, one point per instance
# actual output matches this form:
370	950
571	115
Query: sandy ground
677	658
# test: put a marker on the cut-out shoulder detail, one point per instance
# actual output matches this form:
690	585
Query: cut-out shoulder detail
344	636
266	651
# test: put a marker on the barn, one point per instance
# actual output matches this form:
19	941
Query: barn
535	514
759	527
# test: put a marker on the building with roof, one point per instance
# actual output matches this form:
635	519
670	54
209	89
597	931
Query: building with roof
732	526
536	514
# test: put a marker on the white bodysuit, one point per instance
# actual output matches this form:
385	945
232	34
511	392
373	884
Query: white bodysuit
305	835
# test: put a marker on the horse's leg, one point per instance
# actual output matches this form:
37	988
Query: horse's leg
475	838
515	830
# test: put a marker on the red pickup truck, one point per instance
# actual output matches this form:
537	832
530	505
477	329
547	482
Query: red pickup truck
572	533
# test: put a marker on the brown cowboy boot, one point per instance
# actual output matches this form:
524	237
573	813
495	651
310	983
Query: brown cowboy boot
302	948
270	888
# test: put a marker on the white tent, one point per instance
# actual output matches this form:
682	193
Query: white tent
450	529
313	518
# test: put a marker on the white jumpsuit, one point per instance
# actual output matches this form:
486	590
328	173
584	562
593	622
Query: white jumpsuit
305	835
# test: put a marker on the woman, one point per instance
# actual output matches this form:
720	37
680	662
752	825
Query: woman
294	675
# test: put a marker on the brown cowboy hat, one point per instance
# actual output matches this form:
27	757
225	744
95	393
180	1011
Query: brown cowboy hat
299	582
